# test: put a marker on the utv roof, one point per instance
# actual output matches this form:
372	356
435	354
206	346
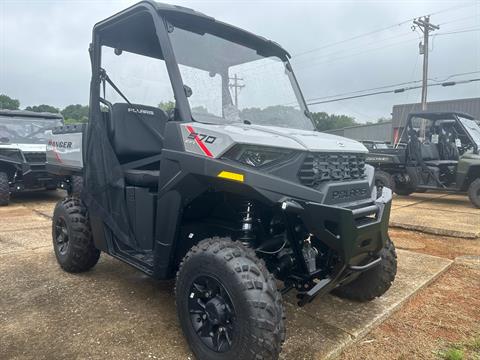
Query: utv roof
32	114
133	29
439	115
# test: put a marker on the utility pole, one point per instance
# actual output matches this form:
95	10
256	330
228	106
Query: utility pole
426	27
236	88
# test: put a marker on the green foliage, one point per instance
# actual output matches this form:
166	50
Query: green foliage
383	119
324	121
75	114
42	108
452	353
6	102
167	106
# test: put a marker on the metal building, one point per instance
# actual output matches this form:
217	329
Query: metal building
373	132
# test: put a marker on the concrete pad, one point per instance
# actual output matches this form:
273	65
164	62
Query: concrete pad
25	240
415	198
472	261
114	311
439	222
415	271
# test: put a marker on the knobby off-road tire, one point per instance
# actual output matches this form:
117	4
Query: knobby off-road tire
474	193
404	190
4	189
72	238
257	329
383	179
76	186
374	282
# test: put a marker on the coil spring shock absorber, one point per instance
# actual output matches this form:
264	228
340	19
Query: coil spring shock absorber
247	225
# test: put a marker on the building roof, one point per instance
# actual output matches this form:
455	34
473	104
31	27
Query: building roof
470	106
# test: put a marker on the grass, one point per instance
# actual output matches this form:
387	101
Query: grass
462	351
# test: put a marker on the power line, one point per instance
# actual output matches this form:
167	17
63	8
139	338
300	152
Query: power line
435	79
456	32
395	91
453	8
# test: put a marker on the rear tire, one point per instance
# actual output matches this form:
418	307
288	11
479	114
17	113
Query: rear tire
4	189
383	179
256	330
76	186
474	193
72	238
404	191
374	282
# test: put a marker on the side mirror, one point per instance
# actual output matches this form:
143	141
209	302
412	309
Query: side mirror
188	90
118	52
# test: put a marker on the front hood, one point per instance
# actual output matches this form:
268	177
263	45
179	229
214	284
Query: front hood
314	140
214	140
25	147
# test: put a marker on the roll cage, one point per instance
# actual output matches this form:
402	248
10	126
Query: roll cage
143	29
436	117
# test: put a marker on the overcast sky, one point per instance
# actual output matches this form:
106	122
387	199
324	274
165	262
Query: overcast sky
44	59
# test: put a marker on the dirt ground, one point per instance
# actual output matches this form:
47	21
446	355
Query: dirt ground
444	315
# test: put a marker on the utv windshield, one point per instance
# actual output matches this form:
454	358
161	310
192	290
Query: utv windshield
227	82
25	130
473	129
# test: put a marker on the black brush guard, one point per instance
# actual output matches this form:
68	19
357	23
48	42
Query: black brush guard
355	234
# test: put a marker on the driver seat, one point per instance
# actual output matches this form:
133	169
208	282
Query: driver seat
136	135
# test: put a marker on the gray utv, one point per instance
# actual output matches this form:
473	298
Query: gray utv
23	152
231	191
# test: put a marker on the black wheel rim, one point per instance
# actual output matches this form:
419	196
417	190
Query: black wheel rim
61	236
212	313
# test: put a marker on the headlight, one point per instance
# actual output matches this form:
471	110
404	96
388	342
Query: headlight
257	156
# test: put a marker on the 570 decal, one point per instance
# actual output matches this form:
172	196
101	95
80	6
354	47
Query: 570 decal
209	139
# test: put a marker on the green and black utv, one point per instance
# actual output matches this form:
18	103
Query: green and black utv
234	195
441	154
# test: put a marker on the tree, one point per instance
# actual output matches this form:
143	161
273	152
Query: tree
6	102
167	106
324	121
43	108
383	119
75	113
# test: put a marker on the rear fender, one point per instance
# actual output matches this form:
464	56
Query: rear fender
468	169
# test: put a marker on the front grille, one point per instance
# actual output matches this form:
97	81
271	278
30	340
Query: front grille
325	167
35	157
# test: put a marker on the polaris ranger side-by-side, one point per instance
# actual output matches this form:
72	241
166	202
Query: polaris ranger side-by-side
226	193
23	152
445	158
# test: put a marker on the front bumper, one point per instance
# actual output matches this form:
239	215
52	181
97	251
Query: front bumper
356	235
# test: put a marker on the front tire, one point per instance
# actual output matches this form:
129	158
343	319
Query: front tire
72	238
474	192
4	189
374	282
228	303
383	179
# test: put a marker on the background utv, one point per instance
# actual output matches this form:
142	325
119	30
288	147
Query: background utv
226	197
23	152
